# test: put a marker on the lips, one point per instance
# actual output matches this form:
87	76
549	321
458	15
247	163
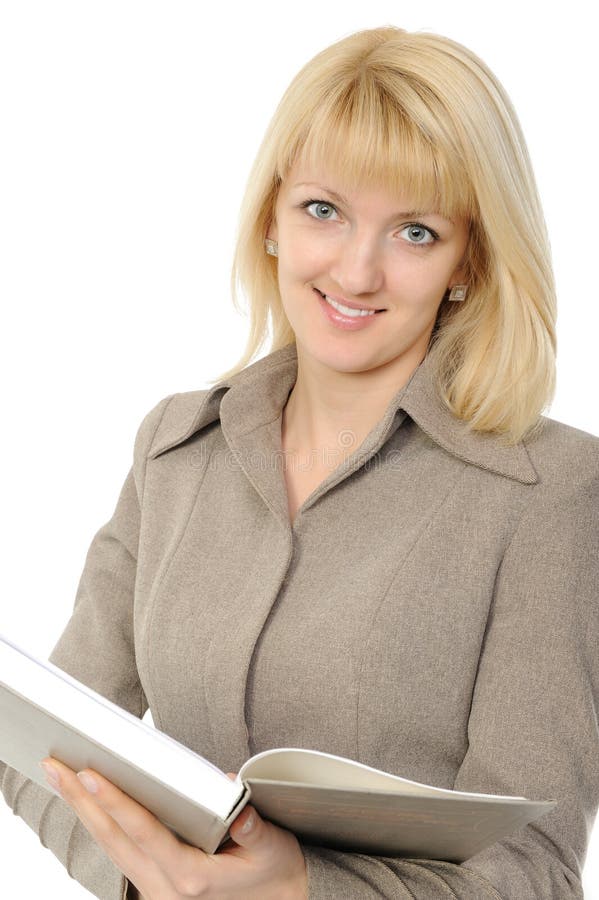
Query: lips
348	303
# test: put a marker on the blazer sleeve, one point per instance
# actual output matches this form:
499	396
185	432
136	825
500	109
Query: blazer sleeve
533	722
96	647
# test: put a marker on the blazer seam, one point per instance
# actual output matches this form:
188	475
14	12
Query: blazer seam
525	508
153	598
425	525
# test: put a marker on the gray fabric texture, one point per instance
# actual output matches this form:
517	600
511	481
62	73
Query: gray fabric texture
432	611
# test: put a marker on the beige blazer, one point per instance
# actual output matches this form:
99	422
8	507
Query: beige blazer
432	612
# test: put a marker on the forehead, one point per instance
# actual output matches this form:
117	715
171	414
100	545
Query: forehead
324	179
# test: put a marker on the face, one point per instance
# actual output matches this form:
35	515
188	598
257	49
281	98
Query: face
364	249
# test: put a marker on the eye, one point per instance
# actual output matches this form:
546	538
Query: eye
420	234
319	209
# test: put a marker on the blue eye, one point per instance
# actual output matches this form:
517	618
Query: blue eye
322	209
418	234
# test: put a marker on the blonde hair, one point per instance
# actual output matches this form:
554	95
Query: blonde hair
421	111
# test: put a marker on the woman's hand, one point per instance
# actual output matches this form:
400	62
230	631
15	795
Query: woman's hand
264	862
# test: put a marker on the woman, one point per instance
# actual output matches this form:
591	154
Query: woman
370	541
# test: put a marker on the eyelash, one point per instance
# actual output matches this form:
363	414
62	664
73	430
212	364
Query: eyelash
433	234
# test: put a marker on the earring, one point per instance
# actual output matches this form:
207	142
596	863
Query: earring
458	293
272	248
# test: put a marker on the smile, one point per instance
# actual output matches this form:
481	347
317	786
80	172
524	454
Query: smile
349	311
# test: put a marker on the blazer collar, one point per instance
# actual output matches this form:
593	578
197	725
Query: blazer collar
255	397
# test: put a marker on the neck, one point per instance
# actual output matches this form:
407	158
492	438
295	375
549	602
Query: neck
334	409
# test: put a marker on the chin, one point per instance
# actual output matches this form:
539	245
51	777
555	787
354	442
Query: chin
349	359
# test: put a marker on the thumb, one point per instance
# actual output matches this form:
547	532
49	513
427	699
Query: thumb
247	828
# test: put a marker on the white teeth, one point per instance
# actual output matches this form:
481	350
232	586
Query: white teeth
346	309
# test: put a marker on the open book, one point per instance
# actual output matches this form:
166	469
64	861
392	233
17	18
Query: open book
324	799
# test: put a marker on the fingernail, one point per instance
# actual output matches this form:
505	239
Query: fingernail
248	824
52	776
90	784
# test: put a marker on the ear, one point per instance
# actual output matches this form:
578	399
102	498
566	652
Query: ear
272	231
459	275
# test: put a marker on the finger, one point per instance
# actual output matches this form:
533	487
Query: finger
248	829
176	860
138	823
107	833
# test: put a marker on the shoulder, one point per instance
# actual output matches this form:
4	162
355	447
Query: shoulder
563	455
552	553
562	514
172	414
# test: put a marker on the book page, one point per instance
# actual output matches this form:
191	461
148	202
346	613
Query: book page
324	769
453	827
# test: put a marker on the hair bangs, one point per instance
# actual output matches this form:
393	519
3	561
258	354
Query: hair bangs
367	139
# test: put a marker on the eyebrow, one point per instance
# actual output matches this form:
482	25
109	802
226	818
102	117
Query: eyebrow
402	214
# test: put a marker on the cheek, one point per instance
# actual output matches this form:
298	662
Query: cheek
307	253
297	271
296	279
419	282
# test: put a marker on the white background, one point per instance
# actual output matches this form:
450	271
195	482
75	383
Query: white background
128	129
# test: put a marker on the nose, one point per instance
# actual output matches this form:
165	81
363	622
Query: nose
358	266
